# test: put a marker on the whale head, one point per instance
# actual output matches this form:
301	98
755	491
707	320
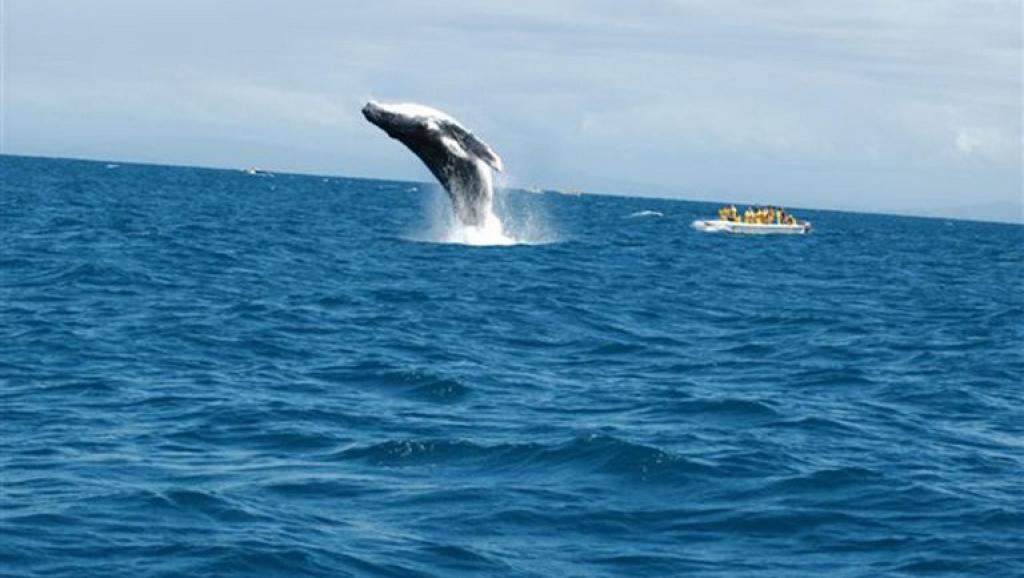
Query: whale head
409	121
401	121
415	123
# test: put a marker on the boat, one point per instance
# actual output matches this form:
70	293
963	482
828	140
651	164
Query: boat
257	172
739	228
755	221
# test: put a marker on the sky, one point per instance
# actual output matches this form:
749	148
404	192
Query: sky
898	106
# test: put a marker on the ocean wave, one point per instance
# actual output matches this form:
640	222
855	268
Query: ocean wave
728	409
595	454
410	383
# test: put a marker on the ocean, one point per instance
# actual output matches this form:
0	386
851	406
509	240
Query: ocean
211	373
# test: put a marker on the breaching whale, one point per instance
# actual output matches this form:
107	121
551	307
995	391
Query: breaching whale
460	161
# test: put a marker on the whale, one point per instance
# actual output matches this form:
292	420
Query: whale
457	158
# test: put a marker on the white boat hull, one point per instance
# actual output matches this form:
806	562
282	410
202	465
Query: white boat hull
718	226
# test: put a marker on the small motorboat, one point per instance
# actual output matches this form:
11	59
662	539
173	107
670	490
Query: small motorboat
754	221
739	228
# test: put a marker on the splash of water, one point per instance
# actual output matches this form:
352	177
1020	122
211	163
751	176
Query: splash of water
639	214
491	232
501	226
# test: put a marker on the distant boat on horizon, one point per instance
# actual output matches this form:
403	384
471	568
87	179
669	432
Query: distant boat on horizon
257	172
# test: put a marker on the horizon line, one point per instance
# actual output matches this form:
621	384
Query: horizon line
1019	222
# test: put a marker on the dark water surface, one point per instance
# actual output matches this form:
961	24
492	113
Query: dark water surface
206	373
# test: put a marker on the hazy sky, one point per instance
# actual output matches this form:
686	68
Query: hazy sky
889	105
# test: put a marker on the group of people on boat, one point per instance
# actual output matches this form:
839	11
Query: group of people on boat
757	216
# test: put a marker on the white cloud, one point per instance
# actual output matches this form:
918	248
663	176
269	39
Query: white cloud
966	143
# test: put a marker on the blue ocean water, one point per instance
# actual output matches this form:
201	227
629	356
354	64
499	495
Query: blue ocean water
208	373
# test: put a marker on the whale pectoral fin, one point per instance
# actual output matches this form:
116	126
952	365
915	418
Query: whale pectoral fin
475	146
